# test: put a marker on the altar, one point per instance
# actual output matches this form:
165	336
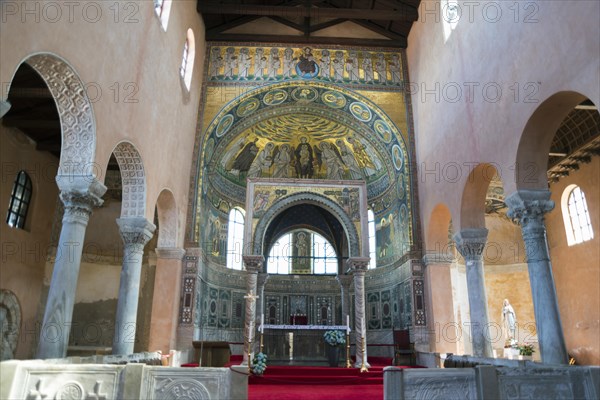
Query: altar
297	342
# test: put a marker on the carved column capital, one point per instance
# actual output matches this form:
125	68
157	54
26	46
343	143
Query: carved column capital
527	207
358	265
438	258
254	263
345	281
135	231
470	242
79	194
171	253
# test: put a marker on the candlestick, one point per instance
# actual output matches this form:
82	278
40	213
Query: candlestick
348	324
262	323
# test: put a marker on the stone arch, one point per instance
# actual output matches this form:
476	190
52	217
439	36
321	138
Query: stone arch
133	179
472	209
10	324
258	246
531	162
166	208
437	229
78	126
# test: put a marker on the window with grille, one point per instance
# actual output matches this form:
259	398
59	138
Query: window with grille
163	9
187	59
19	201
576	216
235	238
372	240
302	252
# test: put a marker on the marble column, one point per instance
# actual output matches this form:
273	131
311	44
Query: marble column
470	244
358	266
135	232
345	281
261	281
4	107
253	264
444	332
79	195
165	300
528	207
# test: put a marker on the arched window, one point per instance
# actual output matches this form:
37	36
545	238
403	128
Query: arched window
187	60
578	225
19	201
163	9
235	239
372	241
302	252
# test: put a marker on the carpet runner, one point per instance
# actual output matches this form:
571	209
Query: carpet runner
319	383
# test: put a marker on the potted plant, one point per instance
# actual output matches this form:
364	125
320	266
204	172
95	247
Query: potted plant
526	351
335	340
259	364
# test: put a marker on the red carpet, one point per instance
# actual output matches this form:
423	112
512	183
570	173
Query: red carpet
318	383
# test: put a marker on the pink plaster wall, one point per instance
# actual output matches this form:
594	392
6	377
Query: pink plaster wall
24	250
577	268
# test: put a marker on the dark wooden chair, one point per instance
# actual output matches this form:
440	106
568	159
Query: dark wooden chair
403	348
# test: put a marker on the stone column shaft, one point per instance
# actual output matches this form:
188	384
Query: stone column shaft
135	232
79	195
528	208
261	281
358	267
165	300
440	302
470	243
253	264
345	281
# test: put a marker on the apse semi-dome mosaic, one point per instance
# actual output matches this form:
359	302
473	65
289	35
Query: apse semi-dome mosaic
309	130
303	131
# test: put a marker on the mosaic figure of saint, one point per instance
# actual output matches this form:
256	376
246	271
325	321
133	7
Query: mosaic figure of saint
288	63
352	66
380	67
395	69
362	157
349	160
367	65
244	63
338	66
332	160
325	64
216	63
230	62
260	64
281	161
274	64
262	162
304	158
245	157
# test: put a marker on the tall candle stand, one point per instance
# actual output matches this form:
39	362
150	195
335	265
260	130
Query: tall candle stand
261	341
363	366
348	363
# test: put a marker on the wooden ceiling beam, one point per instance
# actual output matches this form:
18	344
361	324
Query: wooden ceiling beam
404	13
314	40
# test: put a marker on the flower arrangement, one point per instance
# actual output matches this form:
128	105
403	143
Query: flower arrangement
259	364
526	349
335	338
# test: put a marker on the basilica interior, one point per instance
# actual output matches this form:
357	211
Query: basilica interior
180	172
